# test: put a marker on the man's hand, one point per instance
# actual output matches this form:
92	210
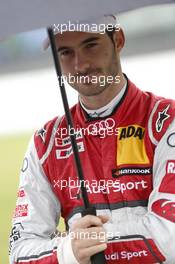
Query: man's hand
89	237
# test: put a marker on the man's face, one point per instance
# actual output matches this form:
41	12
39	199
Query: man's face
86	57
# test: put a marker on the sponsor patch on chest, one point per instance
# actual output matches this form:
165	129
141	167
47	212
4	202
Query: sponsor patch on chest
131	146
67	152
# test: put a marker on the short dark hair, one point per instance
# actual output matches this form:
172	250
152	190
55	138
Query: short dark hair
110	33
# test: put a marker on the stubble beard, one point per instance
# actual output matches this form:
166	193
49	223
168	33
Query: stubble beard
91	89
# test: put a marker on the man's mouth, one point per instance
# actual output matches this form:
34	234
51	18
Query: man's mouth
87	78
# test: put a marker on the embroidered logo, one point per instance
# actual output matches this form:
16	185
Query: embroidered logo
162	116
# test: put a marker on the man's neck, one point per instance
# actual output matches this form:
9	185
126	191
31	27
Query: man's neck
98	101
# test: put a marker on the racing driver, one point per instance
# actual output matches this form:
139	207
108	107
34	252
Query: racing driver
126	143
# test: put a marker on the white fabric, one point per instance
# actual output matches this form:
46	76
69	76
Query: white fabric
36	228
66	256
107	109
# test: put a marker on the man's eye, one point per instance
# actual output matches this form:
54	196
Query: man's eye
91	45
65	53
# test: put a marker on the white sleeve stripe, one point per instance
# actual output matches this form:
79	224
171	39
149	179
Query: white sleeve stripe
51	142
154	141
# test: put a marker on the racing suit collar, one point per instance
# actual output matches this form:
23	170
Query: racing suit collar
107	109
88	117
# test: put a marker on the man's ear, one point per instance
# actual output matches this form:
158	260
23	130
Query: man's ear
119	39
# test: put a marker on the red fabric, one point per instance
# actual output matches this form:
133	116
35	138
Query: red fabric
168	182
133	252
162	118
96	154
165	208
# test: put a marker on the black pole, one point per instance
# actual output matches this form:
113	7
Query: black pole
98	258
68	118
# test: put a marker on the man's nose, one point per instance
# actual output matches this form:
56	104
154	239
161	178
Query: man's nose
81	63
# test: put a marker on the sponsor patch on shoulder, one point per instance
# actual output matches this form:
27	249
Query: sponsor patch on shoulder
25	164
162	117
21	210
15	234
171	140
164	208
168	182
42	134
21	193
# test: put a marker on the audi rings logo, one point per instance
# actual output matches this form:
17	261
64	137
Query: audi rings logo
103	125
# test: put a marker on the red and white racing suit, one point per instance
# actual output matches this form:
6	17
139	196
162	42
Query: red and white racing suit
128	160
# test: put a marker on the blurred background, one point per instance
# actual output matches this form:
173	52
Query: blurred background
29	94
